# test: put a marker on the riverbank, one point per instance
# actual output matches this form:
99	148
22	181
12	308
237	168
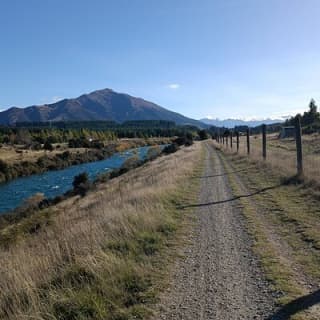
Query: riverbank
40	162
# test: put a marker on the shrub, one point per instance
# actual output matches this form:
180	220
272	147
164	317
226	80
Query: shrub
3	166
186	140
48	146
97	144
65	155
171	148
203	134
35	146
81	184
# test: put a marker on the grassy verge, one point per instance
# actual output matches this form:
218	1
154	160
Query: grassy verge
103	256
284	222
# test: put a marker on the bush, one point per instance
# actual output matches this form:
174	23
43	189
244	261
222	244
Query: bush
35	146
171	148
186	140
97	144
203	134
4	167
81	184
78	143
65	155
48	146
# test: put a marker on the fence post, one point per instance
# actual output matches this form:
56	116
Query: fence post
223	139
248	141
227	140
264	142
238	141
231	136
299	148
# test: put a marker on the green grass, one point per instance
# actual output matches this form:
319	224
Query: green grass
29	225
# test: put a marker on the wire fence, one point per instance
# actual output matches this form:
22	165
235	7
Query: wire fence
280	153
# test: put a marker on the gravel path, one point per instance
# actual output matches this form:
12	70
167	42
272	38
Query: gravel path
219	277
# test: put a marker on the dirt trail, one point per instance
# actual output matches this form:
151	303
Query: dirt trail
286	255
219	277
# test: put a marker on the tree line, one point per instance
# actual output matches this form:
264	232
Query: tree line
310	120
86	133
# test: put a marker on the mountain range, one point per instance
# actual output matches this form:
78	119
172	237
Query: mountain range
231	123
103	104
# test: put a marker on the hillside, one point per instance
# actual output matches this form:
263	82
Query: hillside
103	104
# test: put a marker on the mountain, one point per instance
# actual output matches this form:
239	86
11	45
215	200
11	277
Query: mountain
231	123
103	104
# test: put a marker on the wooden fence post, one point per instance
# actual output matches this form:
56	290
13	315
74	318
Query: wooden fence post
264	142
248	141
227	140
299	148
238	141
231	136
223	139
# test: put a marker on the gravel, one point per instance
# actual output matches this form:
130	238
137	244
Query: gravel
219	276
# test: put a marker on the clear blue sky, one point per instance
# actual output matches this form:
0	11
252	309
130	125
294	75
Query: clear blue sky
224	58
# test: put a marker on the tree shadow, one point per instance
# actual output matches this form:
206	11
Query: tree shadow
296	306
197	205
222	174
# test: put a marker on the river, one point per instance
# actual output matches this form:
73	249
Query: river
54	183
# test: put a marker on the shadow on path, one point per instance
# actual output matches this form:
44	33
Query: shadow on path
297	305
223	174
196	205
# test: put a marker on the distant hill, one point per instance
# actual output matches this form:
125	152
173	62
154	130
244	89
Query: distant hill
103	104
231	123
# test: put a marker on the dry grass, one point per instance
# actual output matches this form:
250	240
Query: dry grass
95	257
284	222
15	154
281	154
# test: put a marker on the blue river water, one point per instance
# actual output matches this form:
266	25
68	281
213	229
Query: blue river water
54	183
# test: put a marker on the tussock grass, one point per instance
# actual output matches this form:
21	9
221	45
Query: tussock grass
281	155
101	256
